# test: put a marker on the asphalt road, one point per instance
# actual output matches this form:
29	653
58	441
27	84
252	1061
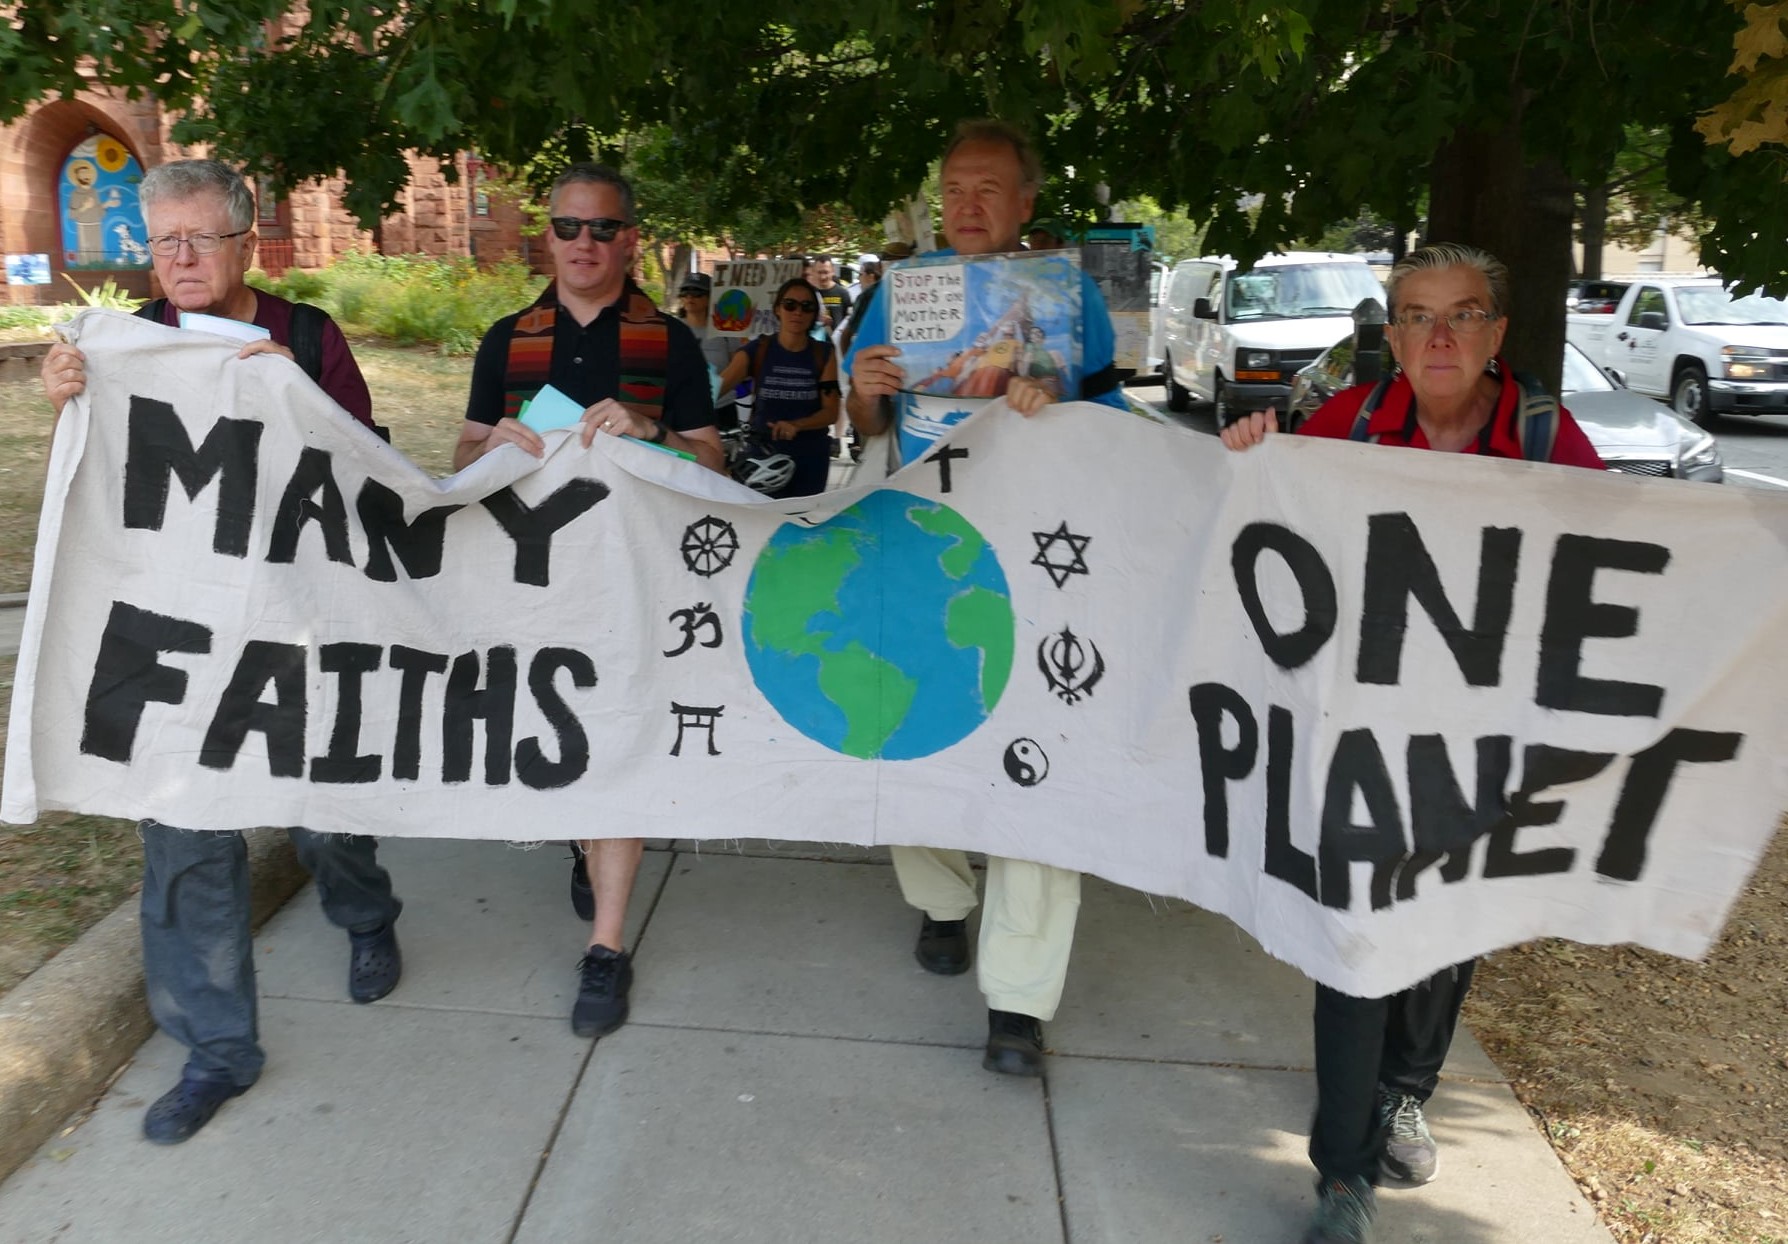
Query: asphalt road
1755	449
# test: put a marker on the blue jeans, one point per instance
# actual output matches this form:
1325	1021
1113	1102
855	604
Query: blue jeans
198	957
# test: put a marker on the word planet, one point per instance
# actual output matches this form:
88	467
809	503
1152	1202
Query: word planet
885	632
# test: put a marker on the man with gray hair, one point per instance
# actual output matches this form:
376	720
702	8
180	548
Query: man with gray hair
198	957
990	179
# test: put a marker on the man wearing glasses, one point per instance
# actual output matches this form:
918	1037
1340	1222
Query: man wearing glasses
198	960
594	336
990	180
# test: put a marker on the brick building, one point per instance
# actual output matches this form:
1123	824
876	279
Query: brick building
68	171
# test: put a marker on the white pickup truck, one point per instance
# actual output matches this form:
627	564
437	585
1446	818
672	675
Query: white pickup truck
1695	344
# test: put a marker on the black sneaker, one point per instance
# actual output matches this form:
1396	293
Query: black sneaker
604	977
1345	1209
1014	1044
1410	1154
583	898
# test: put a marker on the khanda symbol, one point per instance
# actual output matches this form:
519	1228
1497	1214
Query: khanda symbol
1073	667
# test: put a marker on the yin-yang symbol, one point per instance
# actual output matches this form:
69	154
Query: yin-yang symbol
1025	762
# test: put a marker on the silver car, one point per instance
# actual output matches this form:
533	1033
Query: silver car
1633	434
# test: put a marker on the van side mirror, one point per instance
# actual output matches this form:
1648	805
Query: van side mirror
1653	319
1202	309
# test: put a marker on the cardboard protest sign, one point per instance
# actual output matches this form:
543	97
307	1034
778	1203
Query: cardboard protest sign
966	325
743	291
1386	709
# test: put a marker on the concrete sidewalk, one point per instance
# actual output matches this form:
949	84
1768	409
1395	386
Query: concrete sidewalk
789	1074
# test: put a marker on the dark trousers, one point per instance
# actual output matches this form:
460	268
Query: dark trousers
1399	1042
198	957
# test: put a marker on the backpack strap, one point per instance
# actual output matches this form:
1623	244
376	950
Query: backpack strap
1536	418
1374	400
306	341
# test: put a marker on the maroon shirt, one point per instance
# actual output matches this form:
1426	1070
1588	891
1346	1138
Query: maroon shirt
341	378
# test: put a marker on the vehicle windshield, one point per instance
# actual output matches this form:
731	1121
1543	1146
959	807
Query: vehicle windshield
1300	291
1707	305
1581	375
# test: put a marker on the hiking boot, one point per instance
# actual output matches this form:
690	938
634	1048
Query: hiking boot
583	898
604	977
1014	1044
1410	1154
1345	1208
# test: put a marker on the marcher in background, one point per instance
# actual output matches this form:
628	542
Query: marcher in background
835	299
693	303
1378	1060
587	331
1046	235
990	180
795	388
198	952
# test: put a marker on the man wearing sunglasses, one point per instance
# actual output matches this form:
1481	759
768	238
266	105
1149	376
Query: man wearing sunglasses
990	180
594	336
198	957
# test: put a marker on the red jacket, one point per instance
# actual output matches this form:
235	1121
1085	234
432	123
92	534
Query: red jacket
1391	424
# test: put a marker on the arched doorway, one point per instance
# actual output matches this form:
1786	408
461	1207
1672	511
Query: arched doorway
101	218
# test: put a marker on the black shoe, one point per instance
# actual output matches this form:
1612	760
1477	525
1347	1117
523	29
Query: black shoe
583	898
1344	1212
1014	1044
1410	1154
604	977
832	447
943	946
180	1112
374	963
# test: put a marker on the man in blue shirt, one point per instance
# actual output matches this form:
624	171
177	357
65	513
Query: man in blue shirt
991	176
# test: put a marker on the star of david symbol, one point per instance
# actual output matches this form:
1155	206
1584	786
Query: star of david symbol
1061	553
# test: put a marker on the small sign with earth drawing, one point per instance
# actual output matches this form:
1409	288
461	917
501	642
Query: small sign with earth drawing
743	289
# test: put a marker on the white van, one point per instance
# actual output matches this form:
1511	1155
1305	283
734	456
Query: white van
1236	338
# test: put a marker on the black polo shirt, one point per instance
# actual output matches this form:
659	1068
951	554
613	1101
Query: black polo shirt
587	363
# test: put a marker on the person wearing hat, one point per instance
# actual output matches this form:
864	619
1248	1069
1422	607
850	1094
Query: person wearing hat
1046	235
693	303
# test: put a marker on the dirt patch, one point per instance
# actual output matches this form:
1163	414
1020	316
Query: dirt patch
1662	1084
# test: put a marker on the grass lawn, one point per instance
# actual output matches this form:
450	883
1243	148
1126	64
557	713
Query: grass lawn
61	875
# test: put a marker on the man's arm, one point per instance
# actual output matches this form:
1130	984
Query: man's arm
875	377
485	427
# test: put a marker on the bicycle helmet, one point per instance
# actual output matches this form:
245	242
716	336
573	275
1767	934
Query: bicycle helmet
763	469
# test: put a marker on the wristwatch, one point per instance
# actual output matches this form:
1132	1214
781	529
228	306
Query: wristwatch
659	431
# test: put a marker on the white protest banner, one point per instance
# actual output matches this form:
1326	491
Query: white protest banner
1386	709
743	291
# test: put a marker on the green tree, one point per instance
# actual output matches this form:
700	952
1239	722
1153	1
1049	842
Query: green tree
1491	110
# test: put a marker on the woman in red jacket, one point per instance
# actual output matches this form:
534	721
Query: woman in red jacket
1378	1059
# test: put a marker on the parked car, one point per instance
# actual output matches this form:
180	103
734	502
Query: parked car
1594	297
1703	346
1632	433
1235	337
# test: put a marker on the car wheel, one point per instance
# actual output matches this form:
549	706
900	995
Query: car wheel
1689	397
1179	398
1221	414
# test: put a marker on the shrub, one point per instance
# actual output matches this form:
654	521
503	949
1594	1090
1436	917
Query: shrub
412	299
26	317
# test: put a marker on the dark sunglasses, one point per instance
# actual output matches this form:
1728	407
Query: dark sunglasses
602	228
796	304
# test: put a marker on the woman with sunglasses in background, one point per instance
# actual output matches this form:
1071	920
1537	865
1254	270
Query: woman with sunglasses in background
795	378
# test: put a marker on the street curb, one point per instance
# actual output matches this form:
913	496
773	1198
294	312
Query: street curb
67	1028
14	600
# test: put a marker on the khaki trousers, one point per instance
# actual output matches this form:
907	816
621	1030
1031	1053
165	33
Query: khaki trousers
1027	922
